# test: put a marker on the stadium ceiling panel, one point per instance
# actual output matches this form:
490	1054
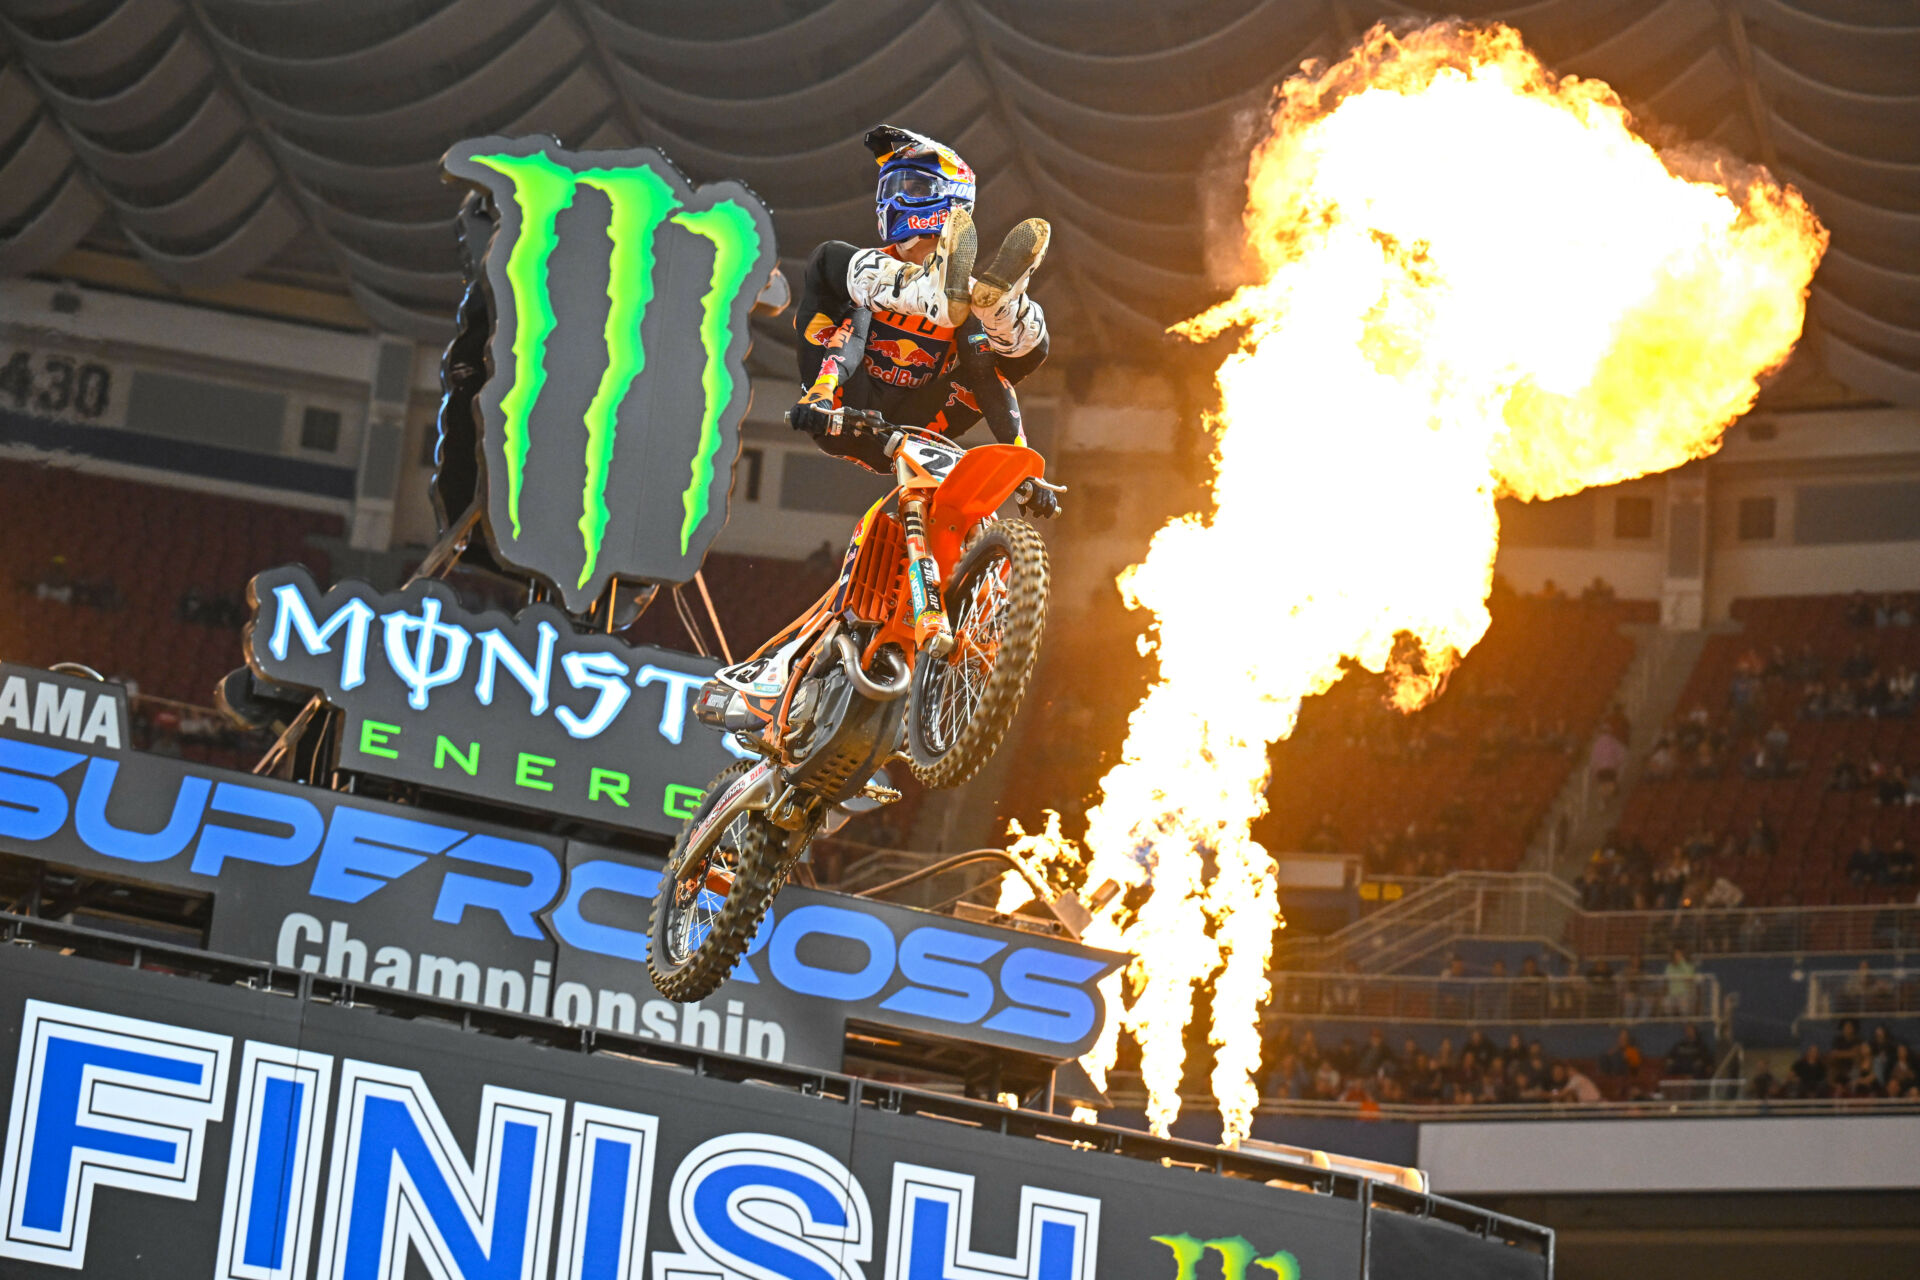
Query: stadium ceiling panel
219	139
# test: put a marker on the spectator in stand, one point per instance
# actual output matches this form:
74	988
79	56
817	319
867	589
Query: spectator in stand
1662	762
1859	610
1762	842
1570	1084
1599	591
1679	974
1864	991
1478	1053
1323	836
1691	1058
1867	865
1538	1075
1902	1073
1903	691
1374	1056
1775	746
1846	1037
1608	757
1809	1075
1881	1048
1621	1061
55	584
1326	1081
1845	774
1891	791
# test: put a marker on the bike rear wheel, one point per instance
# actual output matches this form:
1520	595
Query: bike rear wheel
963	704
704	919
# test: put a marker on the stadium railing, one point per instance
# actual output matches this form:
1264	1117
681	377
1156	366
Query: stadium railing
1750	931
1354	997
1482	904
1855	993
1691	1099
1422	925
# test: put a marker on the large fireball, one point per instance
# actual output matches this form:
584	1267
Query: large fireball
1476	281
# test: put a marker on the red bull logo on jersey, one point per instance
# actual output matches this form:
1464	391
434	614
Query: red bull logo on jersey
902	361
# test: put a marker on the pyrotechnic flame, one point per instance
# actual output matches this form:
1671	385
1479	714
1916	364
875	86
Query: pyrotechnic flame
1478	281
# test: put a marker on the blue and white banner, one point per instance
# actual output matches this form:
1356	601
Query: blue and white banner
439	905
161	1126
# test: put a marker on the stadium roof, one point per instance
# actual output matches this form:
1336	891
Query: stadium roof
299	140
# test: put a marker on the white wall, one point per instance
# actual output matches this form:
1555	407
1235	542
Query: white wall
1552	1157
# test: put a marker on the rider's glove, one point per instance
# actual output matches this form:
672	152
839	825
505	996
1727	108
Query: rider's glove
1042	504
808	418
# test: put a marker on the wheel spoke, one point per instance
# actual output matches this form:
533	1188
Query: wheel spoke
697	907
958	685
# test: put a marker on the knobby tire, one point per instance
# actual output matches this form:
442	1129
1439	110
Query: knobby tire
953	762
758	875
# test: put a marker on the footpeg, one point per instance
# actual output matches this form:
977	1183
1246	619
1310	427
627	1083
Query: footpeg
879	793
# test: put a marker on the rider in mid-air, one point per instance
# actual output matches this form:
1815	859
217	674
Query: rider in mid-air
944	347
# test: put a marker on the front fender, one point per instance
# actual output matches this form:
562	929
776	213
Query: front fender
979	482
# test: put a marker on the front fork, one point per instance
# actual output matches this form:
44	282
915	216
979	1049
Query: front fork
931	633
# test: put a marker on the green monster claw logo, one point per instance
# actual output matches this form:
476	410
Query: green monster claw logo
647	202
1236	1255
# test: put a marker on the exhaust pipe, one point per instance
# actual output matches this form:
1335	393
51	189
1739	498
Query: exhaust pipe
850	663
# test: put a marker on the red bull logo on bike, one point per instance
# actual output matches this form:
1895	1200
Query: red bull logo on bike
620	297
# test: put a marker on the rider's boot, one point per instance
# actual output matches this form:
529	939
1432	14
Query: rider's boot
999	294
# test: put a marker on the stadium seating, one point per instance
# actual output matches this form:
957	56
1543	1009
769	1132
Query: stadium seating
1817	828
138	550
1472	775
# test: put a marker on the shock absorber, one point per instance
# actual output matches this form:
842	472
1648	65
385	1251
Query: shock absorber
930	630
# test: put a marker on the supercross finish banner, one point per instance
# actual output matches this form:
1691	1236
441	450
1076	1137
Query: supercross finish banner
437	904
524	711
161	1126
609	421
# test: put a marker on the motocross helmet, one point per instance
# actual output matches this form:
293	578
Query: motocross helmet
920	179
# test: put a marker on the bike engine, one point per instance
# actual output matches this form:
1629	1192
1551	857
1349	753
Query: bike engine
843	737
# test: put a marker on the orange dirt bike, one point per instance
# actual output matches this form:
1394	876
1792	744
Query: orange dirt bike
920	651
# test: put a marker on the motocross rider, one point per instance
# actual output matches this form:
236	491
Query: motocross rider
944	347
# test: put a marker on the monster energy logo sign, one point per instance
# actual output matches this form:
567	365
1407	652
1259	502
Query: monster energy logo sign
1236	1253
620	296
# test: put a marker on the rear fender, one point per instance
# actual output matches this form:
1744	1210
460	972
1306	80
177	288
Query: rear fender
982	479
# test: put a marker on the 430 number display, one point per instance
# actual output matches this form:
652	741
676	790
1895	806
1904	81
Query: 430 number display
60	384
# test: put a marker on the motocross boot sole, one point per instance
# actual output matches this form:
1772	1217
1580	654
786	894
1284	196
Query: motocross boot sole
959	246
1019	254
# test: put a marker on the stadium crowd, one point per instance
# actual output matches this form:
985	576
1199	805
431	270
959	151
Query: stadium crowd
1475	1072
1877	1065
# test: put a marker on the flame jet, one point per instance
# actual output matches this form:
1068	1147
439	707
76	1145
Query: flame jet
1474	280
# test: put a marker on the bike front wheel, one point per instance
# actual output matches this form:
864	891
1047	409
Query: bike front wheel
705	915
963	704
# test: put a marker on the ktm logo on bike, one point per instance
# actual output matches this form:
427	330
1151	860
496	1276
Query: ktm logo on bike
610	422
